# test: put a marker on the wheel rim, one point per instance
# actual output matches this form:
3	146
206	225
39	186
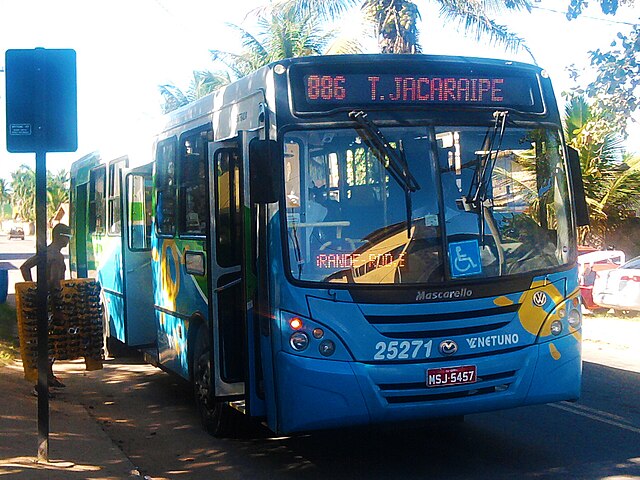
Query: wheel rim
203	382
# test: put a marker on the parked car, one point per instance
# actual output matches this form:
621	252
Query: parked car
619	288
591	264
16	232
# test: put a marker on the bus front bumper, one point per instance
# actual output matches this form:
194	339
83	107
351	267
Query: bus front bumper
316	394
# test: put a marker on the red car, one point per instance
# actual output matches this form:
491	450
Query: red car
590	266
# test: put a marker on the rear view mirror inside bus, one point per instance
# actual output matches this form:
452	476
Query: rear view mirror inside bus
264	170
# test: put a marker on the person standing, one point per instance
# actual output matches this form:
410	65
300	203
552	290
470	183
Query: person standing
56	270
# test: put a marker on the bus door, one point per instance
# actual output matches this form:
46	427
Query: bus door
136	252
78	245
226	286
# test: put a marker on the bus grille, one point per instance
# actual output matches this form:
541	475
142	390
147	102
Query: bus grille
400	393
443	324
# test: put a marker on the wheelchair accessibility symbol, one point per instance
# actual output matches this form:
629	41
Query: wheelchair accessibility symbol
464	258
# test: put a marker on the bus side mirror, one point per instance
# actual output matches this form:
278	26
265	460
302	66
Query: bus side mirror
265	166
577	187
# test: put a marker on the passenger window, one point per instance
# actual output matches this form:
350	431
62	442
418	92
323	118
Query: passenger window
139	211
228	241
97	207
115	179
194	212
166	187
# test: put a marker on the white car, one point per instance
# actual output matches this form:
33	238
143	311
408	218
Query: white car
619	288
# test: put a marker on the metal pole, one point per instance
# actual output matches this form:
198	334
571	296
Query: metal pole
41	298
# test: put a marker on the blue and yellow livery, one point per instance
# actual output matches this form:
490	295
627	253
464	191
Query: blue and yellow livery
353	240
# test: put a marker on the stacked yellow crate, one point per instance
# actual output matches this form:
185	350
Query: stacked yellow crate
74	320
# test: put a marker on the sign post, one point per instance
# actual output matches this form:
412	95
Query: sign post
41	96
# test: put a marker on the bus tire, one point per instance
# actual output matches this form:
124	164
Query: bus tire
216	417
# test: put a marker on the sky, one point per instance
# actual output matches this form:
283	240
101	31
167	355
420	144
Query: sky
126	48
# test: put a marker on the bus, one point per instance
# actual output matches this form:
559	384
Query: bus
337	241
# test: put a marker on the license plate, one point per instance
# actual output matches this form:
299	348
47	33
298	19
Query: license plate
446	377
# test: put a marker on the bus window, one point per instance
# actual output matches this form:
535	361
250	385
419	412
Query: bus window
228	241
139	212
166	187
193	184
115	179
97	207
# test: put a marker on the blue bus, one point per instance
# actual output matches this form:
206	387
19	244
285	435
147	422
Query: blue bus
339	241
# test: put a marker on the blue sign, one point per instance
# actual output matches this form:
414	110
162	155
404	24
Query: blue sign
464	258
41	96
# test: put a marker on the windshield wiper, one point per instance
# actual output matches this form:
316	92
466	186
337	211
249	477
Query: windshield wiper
476	198
393	159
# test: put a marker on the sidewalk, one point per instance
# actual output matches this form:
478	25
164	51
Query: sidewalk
78	447
612	341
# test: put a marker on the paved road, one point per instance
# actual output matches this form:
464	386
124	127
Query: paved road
149	415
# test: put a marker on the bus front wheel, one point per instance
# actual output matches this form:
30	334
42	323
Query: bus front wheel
216	417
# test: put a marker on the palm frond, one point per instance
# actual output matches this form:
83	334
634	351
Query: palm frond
322	9
473	17
173	97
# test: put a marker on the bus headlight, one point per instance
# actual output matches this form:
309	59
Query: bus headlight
575	318
327	348
299	341
556	327
306	337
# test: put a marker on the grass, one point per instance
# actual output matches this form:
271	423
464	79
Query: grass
9	344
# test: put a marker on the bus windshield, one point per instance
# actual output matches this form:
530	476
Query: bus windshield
483	208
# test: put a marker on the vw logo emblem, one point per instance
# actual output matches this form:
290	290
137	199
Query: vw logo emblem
539	299
448	347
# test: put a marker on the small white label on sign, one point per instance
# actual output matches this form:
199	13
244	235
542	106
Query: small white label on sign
20	129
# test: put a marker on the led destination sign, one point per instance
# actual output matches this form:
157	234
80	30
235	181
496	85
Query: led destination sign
322	91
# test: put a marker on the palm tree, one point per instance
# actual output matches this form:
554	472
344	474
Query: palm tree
23	184
283	31
292	28
611	177
57	190
395	21
475	16
5	196
203	83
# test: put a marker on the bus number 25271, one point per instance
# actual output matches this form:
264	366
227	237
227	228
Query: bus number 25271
403	350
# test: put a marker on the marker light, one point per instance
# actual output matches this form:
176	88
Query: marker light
575	319
556	327
299	341
295	323
318	333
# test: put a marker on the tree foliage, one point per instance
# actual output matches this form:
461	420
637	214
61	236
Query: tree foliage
23	195
284	29
608	7
203	83
611	177
614	92
293	28
395	21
